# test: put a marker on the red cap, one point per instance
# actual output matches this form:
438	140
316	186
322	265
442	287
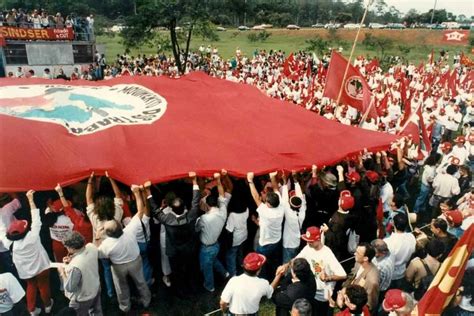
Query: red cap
312	234
346	200
17	227
254	261
372	176
393	300
446	145
353	176
442	111
460	139
454	217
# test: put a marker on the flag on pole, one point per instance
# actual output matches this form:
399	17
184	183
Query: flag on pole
432	56
466	61
291	67
452	84
448	278
354	89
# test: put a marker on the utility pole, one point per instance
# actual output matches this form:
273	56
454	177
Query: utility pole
432	13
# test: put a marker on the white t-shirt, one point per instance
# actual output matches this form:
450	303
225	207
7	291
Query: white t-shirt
243	293
270	220
320	260
401	246
237	224
293	220
125	248
6	217
11	292
61	228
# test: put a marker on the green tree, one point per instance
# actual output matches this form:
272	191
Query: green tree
189	16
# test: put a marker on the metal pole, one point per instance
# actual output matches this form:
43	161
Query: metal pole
352	53
432	13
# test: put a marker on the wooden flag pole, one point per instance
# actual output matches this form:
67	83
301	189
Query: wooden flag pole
352	51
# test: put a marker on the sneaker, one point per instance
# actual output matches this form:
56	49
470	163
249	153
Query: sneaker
48	309
36	312
166	281
209	290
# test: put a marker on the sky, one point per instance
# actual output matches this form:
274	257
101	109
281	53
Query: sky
457	7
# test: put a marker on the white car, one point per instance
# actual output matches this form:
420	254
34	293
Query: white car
376	26
243	28
292	27
351	26
117	28
221	29
258	28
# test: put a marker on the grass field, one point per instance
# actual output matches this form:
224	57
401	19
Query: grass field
420	41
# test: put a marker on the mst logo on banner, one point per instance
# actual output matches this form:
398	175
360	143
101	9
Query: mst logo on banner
456	36
20	33
83	109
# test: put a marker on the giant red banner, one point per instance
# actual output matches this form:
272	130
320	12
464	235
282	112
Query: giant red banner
19	33
140	128
456	36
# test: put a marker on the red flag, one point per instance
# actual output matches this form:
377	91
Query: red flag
432	56
456	36
448	278
159	129
416	129
291	68
383	105
406	104
466	61
373	65
452	84
444	78
354	90
421	67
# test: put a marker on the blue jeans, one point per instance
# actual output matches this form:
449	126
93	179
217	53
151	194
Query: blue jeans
208	262
109	282
273	254
420	204
289	253
147	268
233	258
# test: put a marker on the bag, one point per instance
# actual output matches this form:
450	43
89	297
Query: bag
434	200
353	240
424	283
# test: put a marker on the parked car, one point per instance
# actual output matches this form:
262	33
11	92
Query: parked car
332	26
267	26
117	28
451	25
437	27
351	26
376	26
292	27
465	26
318	26
396	26
243	28
221	29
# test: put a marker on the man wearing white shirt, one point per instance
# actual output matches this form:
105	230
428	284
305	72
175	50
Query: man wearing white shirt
401	245
324	265
121	248
210	226
271	214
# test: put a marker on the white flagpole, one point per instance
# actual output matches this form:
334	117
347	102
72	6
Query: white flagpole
352	51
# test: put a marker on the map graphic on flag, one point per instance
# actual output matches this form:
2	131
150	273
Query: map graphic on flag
83	109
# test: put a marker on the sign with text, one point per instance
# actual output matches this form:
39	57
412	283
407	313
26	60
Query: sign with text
20	33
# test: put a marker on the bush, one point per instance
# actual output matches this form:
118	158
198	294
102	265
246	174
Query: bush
318	45
253	37
260	36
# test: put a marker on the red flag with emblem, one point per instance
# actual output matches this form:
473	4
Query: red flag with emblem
448	278
159	129
354	90
456	36
291	67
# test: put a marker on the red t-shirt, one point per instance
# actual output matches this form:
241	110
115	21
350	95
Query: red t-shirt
347	312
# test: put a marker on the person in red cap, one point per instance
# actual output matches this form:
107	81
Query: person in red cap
399	302
324	265
30	257
445	151
455	219
242	294
335	232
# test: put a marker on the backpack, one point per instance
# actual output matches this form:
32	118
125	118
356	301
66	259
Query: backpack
424	282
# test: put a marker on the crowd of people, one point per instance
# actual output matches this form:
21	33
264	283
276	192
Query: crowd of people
365	236
41	19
